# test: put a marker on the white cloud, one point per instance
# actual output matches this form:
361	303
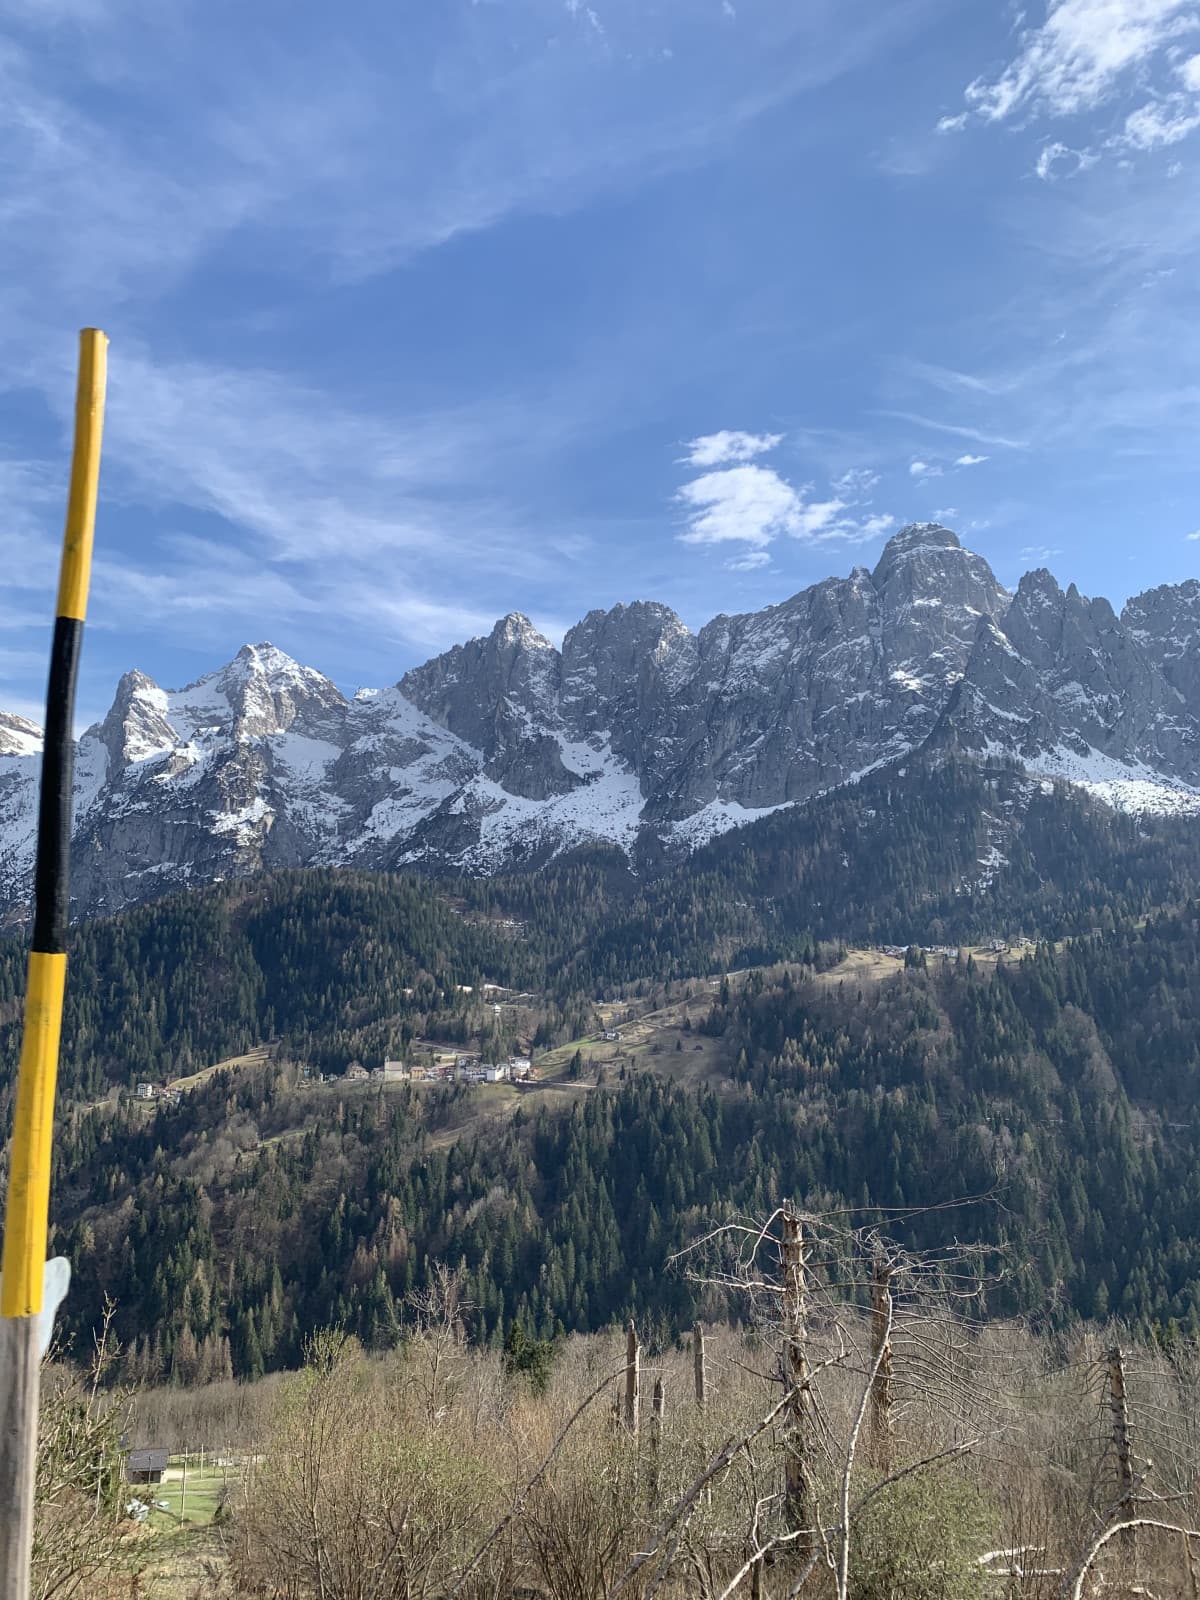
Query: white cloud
741	504
819	519
1159	123
1079	55
745	504
718	449
970	461
750	562
1189	71
753	505
946	511
1193	536
953	124
923	469
1060	160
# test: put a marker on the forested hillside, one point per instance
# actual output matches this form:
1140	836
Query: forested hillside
1057	1089
325	960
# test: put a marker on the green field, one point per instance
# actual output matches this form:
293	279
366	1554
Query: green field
203	1493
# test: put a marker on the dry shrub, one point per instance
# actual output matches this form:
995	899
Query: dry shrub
83	1542
357	1497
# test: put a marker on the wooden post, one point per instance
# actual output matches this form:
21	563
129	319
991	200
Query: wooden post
633	1379
698	1365
797	1488
660	1409
881	1362
1118	1405
20	1369
183	1492
23	1275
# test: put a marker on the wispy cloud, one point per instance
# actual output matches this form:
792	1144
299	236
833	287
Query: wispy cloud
1192	537
958	430
1160	123
970	461
923	469
717	449
1039	552
751	561
1057	160
1079	55
856	483
874	527
314	510
1084	55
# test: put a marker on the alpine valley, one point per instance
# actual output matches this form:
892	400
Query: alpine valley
885	897
638	734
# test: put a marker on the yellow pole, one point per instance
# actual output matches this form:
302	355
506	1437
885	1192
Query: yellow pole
25	1225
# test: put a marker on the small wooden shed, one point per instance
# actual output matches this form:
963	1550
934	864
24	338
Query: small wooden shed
145	1466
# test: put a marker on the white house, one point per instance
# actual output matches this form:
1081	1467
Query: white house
395	1072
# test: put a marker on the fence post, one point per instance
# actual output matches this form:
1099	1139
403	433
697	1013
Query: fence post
698	1365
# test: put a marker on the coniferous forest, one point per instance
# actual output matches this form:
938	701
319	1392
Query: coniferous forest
1040	1100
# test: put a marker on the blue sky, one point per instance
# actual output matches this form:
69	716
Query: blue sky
425	313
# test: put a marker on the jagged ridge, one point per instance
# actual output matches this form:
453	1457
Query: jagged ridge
504	750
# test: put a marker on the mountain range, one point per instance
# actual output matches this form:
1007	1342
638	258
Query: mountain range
639	733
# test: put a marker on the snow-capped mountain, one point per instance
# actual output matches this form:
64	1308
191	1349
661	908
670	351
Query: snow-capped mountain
505	749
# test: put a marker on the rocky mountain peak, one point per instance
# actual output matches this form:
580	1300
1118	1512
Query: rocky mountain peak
916	538
1039	585
499	694
18	736
639	733
136	726
515	629
266	691
925	565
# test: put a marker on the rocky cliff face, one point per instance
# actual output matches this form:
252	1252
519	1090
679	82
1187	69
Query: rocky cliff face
1074	691
505	750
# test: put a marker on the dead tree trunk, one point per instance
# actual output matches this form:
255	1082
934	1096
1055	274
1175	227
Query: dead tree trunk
881	1360
1118	1405
657	1418
633	1379
797	1468
698	1364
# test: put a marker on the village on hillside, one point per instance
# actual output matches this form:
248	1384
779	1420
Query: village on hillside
626	1029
